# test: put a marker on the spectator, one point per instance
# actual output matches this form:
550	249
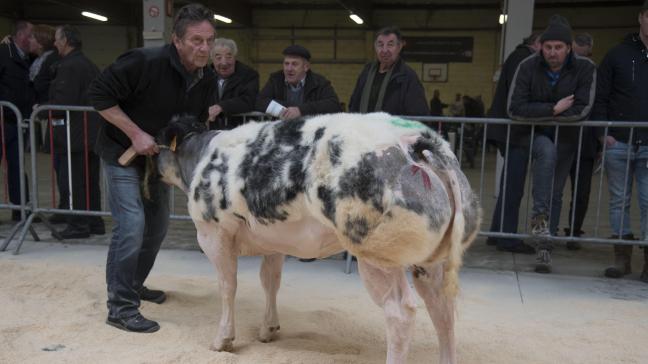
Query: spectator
582	47
72	77
622	95
515	162
436	105
138	94
15	88
457	107
238	85
297	91
553	85
389	84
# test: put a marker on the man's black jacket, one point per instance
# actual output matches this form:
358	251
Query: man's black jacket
151	86
622	90
319	95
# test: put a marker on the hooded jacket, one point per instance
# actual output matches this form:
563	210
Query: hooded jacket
622	90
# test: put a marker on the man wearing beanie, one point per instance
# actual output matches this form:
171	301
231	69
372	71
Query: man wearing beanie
296	90
551	85
622	95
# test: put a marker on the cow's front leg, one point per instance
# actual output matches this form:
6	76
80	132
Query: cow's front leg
219	248
428	280
271	280
389	289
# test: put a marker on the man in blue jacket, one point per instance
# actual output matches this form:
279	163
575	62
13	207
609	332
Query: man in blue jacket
138	95
622	95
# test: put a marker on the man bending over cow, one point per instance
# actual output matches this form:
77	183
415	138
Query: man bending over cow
137	95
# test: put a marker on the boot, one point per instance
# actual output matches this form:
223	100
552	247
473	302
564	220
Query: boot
622	258
644	274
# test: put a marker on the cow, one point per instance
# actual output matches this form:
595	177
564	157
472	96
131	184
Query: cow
386	189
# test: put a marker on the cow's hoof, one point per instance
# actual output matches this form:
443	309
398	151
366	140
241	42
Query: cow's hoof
223	345
268	333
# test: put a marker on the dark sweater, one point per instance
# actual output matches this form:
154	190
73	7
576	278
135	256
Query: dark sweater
150	85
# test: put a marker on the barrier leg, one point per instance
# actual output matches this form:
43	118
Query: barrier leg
10	237
349	260
23	233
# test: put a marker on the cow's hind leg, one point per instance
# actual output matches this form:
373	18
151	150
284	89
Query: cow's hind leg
271	280
389	289
440	303
220	251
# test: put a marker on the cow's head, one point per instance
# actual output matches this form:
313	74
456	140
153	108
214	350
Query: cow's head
174	142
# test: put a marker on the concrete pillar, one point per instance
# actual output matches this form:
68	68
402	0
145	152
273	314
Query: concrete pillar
518	25
158	22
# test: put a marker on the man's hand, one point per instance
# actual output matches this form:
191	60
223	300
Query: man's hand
144	144
214	111
563	104
608	141
290	113
6	40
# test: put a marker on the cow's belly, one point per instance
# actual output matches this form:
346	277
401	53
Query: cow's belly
305	238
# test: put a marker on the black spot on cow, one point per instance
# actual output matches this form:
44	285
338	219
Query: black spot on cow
275	149
221	166
319	133
335	150
203	192
364	181
418	271
356	229
328	200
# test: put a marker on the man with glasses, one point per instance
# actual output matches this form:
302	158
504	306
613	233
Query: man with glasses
138	95
388	84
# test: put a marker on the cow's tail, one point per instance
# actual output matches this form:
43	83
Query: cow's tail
458	223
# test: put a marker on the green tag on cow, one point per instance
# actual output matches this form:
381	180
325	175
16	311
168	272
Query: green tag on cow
410	124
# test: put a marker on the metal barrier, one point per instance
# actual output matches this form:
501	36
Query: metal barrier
22	206
477	178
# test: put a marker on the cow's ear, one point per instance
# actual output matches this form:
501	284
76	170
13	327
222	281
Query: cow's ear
174	132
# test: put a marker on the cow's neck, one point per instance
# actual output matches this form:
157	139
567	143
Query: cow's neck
190	153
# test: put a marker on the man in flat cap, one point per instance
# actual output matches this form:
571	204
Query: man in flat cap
551	85
297	91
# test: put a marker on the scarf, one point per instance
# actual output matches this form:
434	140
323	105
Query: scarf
366	90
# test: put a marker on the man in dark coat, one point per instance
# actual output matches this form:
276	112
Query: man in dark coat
552	85
238	85
138	95
296	90
15	88
72	77
388	84
516	159
436	105
622	95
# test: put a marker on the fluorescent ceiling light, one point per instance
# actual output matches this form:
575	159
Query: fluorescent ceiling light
94	16
503	18
356	18
222	18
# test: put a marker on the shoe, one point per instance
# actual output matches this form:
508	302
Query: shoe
307	260
543	261
135	323
622	259
57	219
71	233
540	226
573	245
152	295
517	248
644	275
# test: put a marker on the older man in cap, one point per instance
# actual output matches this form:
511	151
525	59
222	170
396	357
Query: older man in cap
551	85
296	90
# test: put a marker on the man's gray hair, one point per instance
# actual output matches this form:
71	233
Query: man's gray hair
223	42
584	39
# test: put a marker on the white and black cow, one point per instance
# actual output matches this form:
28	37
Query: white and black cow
386	189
